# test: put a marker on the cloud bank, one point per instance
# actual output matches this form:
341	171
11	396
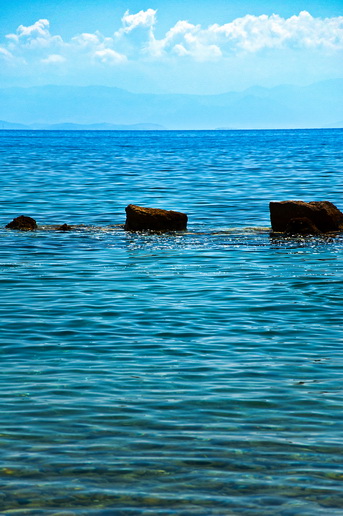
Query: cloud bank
185	58
135	40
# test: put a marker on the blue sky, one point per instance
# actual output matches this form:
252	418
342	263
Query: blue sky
193	46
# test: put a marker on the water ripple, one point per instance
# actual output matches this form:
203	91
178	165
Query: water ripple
187	373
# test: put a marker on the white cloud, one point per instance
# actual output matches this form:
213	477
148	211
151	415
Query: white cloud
173	40
35	43
109	56
133	21
91	42
34	36
250	34
254	33
54	59
86	40
5	54
97	47
196	49
185	39
38	29
136	36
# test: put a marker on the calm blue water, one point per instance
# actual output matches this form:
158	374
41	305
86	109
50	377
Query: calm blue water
195	373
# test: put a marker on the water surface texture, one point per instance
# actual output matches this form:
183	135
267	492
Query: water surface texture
191	373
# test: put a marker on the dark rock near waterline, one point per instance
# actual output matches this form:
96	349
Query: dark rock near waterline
22	223
154	219
309	217
301	226
64	227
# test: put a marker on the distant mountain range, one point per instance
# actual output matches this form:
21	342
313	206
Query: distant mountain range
101	108
81	127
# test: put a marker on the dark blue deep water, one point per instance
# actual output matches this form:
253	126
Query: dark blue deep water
195	373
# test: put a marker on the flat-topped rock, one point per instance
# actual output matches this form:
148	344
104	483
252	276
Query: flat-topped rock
308	217
23	223
154	219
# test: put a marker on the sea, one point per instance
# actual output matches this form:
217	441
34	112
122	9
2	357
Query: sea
192	373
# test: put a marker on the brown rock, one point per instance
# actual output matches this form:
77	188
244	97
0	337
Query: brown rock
23	223
154	219
301	226
64	227
323	215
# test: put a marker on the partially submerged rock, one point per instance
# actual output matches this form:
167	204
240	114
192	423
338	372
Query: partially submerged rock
301	226
22	223
154	219
64	227
308	217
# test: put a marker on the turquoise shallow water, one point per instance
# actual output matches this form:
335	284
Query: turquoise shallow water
195	373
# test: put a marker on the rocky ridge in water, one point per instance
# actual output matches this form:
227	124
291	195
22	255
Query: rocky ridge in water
287	217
